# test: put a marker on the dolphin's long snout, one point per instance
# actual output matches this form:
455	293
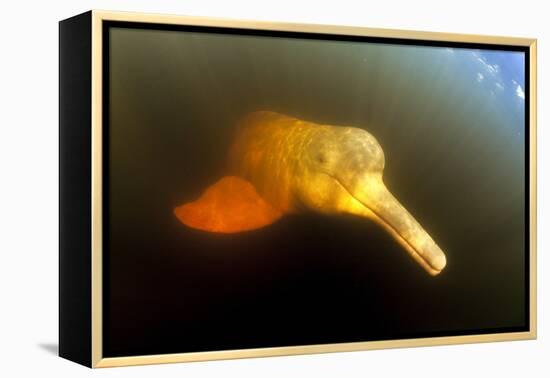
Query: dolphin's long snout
379	204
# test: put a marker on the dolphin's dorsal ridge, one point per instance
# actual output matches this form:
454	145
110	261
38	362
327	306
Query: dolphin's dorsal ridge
230	205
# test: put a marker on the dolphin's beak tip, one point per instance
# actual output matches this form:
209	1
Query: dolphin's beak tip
438	264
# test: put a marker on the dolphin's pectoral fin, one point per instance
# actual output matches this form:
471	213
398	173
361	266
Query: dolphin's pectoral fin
228	206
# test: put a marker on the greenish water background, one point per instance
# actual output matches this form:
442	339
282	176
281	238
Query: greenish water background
451	123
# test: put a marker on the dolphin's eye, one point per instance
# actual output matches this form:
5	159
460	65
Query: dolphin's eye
321	158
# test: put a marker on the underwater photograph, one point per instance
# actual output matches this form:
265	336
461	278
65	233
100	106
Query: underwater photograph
270	189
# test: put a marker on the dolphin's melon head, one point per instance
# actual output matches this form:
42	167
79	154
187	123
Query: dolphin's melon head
333	160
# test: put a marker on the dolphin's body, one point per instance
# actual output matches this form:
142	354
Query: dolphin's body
281	165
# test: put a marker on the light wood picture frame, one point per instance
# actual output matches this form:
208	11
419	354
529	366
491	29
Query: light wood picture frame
149	105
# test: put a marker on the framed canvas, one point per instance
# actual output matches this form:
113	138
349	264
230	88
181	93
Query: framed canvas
237	189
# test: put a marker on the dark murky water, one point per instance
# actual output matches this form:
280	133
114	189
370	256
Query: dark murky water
451	123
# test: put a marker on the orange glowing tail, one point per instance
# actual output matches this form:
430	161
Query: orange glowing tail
230	205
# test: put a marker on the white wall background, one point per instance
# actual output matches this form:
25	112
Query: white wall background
28	185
